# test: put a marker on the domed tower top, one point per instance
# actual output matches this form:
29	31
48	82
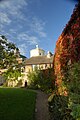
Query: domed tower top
37	52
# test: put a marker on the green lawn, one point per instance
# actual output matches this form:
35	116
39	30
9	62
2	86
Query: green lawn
17	104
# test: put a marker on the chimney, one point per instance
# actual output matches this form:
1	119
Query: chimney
48	54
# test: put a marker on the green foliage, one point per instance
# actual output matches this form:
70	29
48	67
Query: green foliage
67	72
8	60
74	90
40	79
67	107
58	107
72	84
7	56
33	78
11	75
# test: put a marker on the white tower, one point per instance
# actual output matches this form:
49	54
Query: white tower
37	52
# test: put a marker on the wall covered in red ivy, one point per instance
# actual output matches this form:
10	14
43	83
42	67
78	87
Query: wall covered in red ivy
67	49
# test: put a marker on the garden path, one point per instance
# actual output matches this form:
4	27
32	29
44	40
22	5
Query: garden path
41	111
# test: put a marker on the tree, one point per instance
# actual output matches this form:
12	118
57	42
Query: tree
7	56
11	75
8	60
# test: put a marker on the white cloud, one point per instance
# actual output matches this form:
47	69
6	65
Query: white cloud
33	40
38	26
4	19
12	16
13	5
25	41
12	9
14	21
12	12
13	31
22	36
29	39
22	48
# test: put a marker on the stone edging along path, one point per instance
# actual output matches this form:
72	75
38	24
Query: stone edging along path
41	110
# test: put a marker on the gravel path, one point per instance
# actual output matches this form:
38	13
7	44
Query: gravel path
41	111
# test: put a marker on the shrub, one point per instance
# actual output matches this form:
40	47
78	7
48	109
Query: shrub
58	107
41	79
67	107
74	90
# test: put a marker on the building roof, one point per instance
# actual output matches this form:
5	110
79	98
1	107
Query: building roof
22	56
39	60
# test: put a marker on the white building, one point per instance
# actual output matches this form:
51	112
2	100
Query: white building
38	59
37	52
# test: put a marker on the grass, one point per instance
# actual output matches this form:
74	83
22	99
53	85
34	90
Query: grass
17	104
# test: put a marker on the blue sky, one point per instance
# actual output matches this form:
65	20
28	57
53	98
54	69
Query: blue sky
30	22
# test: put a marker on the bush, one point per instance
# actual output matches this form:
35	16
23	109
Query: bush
74	90
41	79
67	107
58	107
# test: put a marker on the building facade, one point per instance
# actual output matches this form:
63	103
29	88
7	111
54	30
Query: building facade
38	59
